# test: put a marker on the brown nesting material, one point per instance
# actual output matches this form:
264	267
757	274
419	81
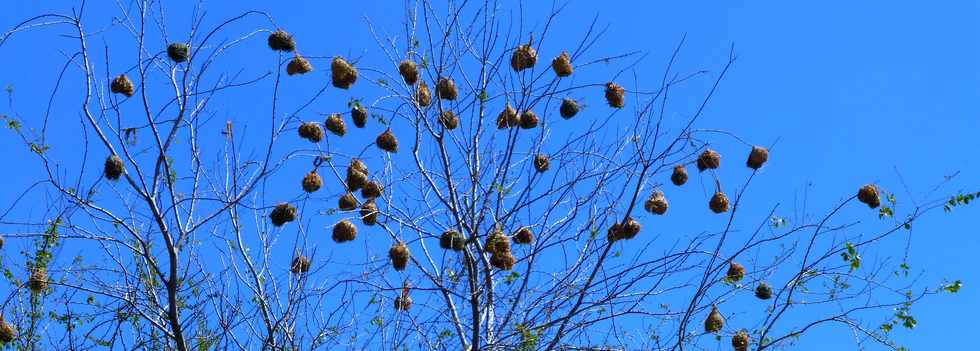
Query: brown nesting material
763	291
359	115
524	236
562	65
718	202
113	167
122	85
868	194
714	322
423	96
356	178
569	108
615	95
758	156
386	141
503	261
403	302
451	240
541	163
282	214
448	120
679	176
735	272
740	341
281	41
399	256
179	52
446	88
38	281
311	131
529	119
508	118
709	159
615	232
7	331
335	124
347	202
298	65
657	203
299	265
498	243
344	231
312	182
409	71
369	213
523	58
630	228
371	190
344	74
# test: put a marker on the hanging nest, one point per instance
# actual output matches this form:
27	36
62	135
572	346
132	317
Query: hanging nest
386	141
503	261
763	291
757	157
347	202
300	264
452	240
524	236
735	272
423	95
357	174
344	75
709	159
113	167
311	131
369	213
508	118
403	302
281	41
679	177
498	243
335	124
122	85
7	331
715	321
358	165
718	203
562	65
344	231
615	232
371	190
282	214
178	52
38	281
298	65
615	95
359	114
630	228
740	341
868	194
448	120
399	256
529	119
446	88
657	203
523	58
541	163
312	182
409	72
569	108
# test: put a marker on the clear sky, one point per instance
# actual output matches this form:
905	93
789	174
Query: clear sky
854	92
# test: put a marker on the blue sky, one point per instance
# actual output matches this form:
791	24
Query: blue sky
854	92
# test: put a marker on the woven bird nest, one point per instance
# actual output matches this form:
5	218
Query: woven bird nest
524	236
357	165
714	322
448	120
359	114
523	58
569	108
763	291
615	232
503	261
122	85
298	65
757	157
529	120
709	159
344	74
312	182
311	131
630	228
868	194
282	214
735	272
335	124
541	163
740	341
409	72
38	281
178	52
657	203
399	256
113	168
498	243
451	240
300	264
718	202
369	213
281	41
446	88
357	177
344	231
7	331
403	302
679	177
371	190
386	141
423	96
347	202
508	118
562	65
615	95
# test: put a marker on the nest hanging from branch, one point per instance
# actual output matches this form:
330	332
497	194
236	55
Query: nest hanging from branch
369	213
735	272
386	141
335	124
562	65
448	120
299	265
657	203
718	202
344	74
399	256
282	214
403	302
615	95
451	240
423	96
122	85
524	236
523	58
868	194
446	88
498	243
679	177
371	190
408	71
626	230
298	65
709	159
38	281
312	182
281	41
357	174
344	231
758	156
7	331
569	108
541	163
763	291
311	131
508	118
347	202
740	341
714	322
359	114
504	261
529	119
113	168
178	52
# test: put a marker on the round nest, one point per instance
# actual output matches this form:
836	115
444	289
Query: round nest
347	202
282	214
403	302
679	177
714	322
38	281
344	75
312	182
740	341
868	194
122	85
311	131
448	120
344	231
763	291
409	72
524	236
735	272
615	232
630	228
529	119
569	108
299	265
503	261
451	240
562	65
7	331
357	175
399	256
498	243
709	159
369	213
386	141
281	41
757	157
298	65
358	165
523	58
615	95
113	168
508	118
718	203
657	203
423	96
178	52
371	190
359	114
541	163
446	88
335	124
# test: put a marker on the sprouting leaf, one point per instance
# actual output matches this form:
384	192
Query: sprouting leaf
953	287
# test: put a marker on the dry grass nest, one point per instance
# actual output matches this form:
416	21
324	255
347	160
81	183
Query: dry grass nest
523	58
347	202
657	203
281	41
529	119
763	291
7	331
524	236
335	124
344	74
446	88
452	240
312	182
740	341
298	65
714	322
868	194
357	175
504	261
562	65
386	141
709	159
178	52
369	212
113	168
399	256
508	118
758	156
359	115
300	264
569	108
122	85
735	272
448	120
38	281
498	243
541	163
403	302
311	131
282	214
372	190
423	96
409	71
344	231
626	230
679	177
718	202
615	95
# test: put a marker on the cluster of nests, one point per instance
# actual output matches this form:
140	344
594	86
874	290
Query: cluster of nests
121	84
343	74
715	321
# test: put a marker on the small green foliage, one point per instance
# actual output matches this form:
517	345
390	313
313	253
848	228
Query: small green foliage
529	337
953	287
960	200
510	278
851	255
885	211
776	221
